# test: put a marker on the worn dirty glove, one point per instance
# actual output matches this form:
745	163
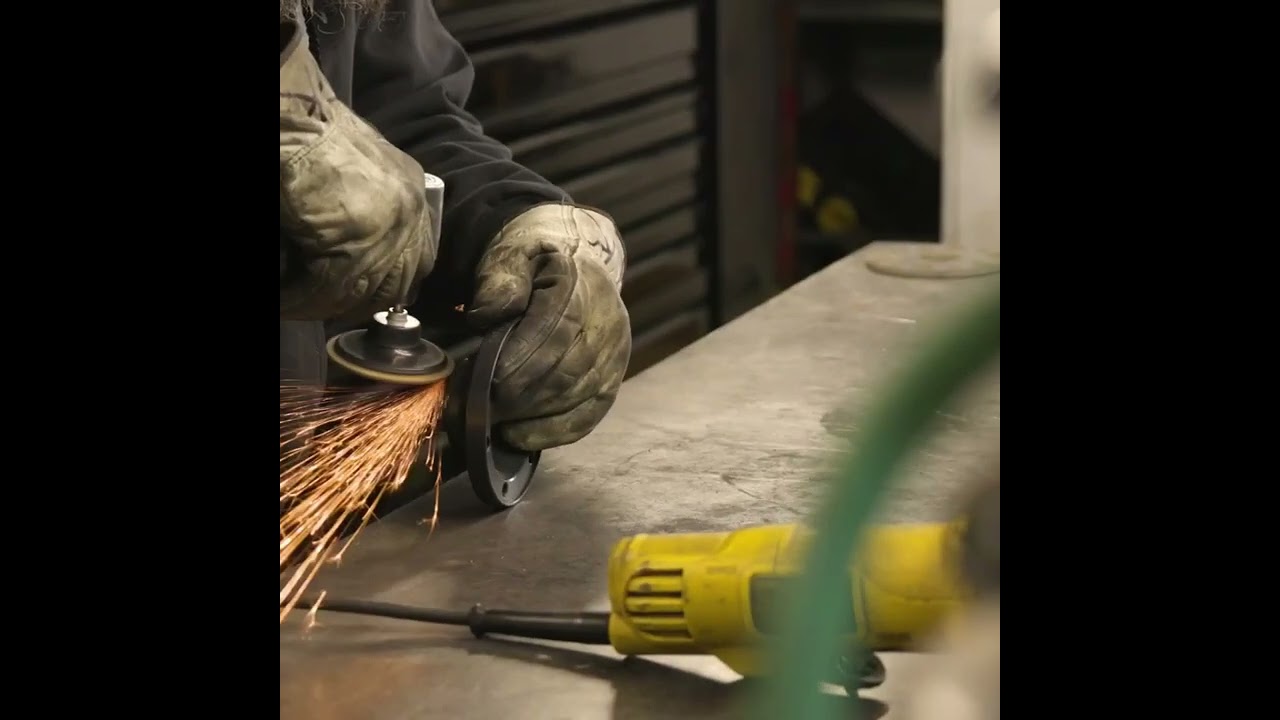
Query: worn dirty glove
355	230
558	268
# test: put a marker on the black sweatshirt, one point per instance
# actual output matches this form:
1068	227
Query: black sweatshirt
407	76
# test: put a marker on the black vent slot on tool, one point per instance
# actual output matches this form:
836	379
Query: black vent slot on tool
655	603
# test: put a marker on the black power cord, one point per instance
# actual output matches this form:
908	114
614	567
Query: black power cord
588	628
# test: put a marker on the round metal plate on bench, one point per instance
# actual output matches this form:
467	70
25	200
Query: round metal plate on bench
933	262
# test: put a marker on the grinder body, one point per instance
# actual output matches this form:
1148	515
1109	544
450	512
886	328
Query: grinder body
719	593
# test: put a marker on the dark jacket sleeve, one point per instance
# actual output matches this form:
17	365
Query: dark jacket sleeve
411	80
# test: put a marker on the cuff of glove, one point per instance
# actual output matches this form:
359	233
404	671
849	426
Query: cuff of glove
579	231
291	36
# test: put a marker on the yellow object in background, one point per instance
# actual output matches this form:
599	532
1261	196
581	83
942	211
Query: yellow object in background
834	214
808	185
837	216
720	593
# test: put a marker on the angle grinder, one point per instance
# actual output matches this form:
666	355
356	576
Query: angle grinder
720	593
391	350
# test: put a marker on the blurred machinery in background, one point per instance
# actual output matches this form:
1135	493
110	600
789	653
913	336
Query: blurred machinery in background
869	129
966	684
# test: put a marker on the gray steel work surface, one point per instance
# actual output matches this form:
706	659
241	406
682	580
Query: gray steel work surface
736	430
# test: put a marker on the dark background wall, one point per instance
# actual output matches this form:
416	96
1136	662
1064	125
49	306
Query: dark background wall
606	99
739	144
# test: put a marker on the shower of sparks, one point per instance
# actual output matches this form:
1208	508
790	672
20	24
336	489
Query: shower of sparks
315	608
342	451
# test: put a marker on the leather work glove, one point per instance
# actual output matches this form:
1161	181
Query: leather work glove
356	231
559	269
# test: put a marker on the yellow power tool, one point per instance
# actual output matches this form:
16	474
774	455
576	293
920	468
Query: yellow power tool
719	593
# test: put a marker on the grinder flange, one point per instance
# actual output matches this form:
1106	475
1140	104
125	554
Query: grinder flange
391	350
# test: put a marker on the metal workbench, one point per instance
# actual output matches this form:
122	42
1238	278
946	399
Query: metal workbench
735	430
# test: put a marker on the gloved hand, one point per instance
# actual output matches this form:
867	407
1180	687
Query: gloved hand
354	223
559	269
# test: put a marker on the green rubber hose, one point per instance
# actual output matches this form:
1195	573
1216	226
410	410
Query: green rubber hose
810	643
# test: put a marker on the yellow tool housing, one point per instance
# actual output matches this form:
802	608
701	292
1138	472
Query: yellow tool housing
717	593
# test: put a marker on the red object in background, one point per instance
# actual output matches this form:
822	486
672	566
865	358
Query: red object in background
788	114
